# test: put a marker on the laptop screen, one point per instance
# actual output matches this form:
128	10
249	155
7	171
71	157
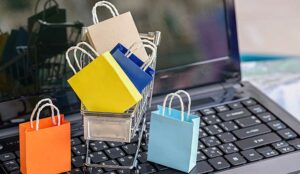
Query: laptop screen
195	50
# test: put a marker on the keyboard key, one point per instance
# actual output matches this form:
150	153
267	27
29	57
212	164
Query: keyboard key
130	148
266	117
201	167
17	153
142	157
235	159
111	172
286	149
267	152
124	171
98	157
76	171
11	165
210	141
207	111
234	114
200	156
228	148
221	108
202	133
251	131
15	172
249	102
229	126
146	168
94	170
110	162
79	149
226	137
287	134
257	109
78	161
211	119
98	145
7	156
235	105
295	143
280	144
160	167
276	125
144	146
115	144
248	121
258	141
200	145
213	129
126	161
75	141
212	152
251	155
114	153
219	163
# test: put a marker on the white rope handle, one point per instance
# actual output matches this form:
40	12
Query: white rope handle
181	103
148	62
133	47
189	99
78	65
40	110
113	10
36	107
87	45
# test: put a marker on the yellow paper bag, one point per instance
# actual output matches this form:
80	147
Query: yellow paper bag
102	85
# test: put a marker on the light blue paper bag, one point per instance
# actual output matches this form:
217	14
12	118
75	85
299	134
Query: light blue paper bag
173	137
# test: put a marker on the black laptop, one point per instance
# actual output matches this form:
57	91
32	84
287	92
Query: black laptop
242	131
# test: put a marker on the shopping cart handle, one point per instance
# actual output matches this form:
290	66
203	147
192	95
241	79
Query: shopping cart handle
64	24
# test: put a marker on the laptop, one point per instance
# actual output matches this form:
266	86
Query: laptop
242	130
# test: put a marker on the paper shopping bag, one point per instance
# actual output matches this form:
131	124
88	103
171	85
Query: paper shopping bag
45	144
173	138
47	41
106	34
102	85
138	75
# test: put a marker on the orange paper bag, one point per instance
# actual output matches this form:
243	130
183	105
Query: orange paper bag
45	143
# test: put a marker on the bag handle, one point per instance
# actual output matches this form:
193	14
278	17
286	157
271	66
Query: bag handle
170	104
87	45
45	5
113	10
40	110
36	107
78	65
153	48
147	44
189	99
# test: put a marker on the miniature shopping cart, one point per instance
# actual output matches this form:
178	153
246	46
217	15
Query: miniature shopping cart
120	127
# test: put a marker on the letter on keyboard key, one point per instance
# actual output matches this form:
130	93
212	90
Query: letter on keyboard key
251	155
252	131
258	141
11	165
234	114
7	156
235	159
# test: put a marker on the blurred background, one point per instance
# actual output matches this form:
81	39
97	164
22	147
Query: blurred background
268	30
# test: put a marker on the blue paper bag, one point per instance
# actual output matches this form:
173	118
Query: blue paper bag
133	58
135	73
173	141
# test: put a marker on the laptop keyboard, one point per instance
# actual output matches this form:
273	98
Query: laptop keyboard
231	135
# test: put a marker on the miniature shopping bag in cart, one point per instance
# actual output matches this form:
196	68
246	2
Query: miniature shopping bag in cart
137	74
45	143
121	28
173	136
102	85
120	127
